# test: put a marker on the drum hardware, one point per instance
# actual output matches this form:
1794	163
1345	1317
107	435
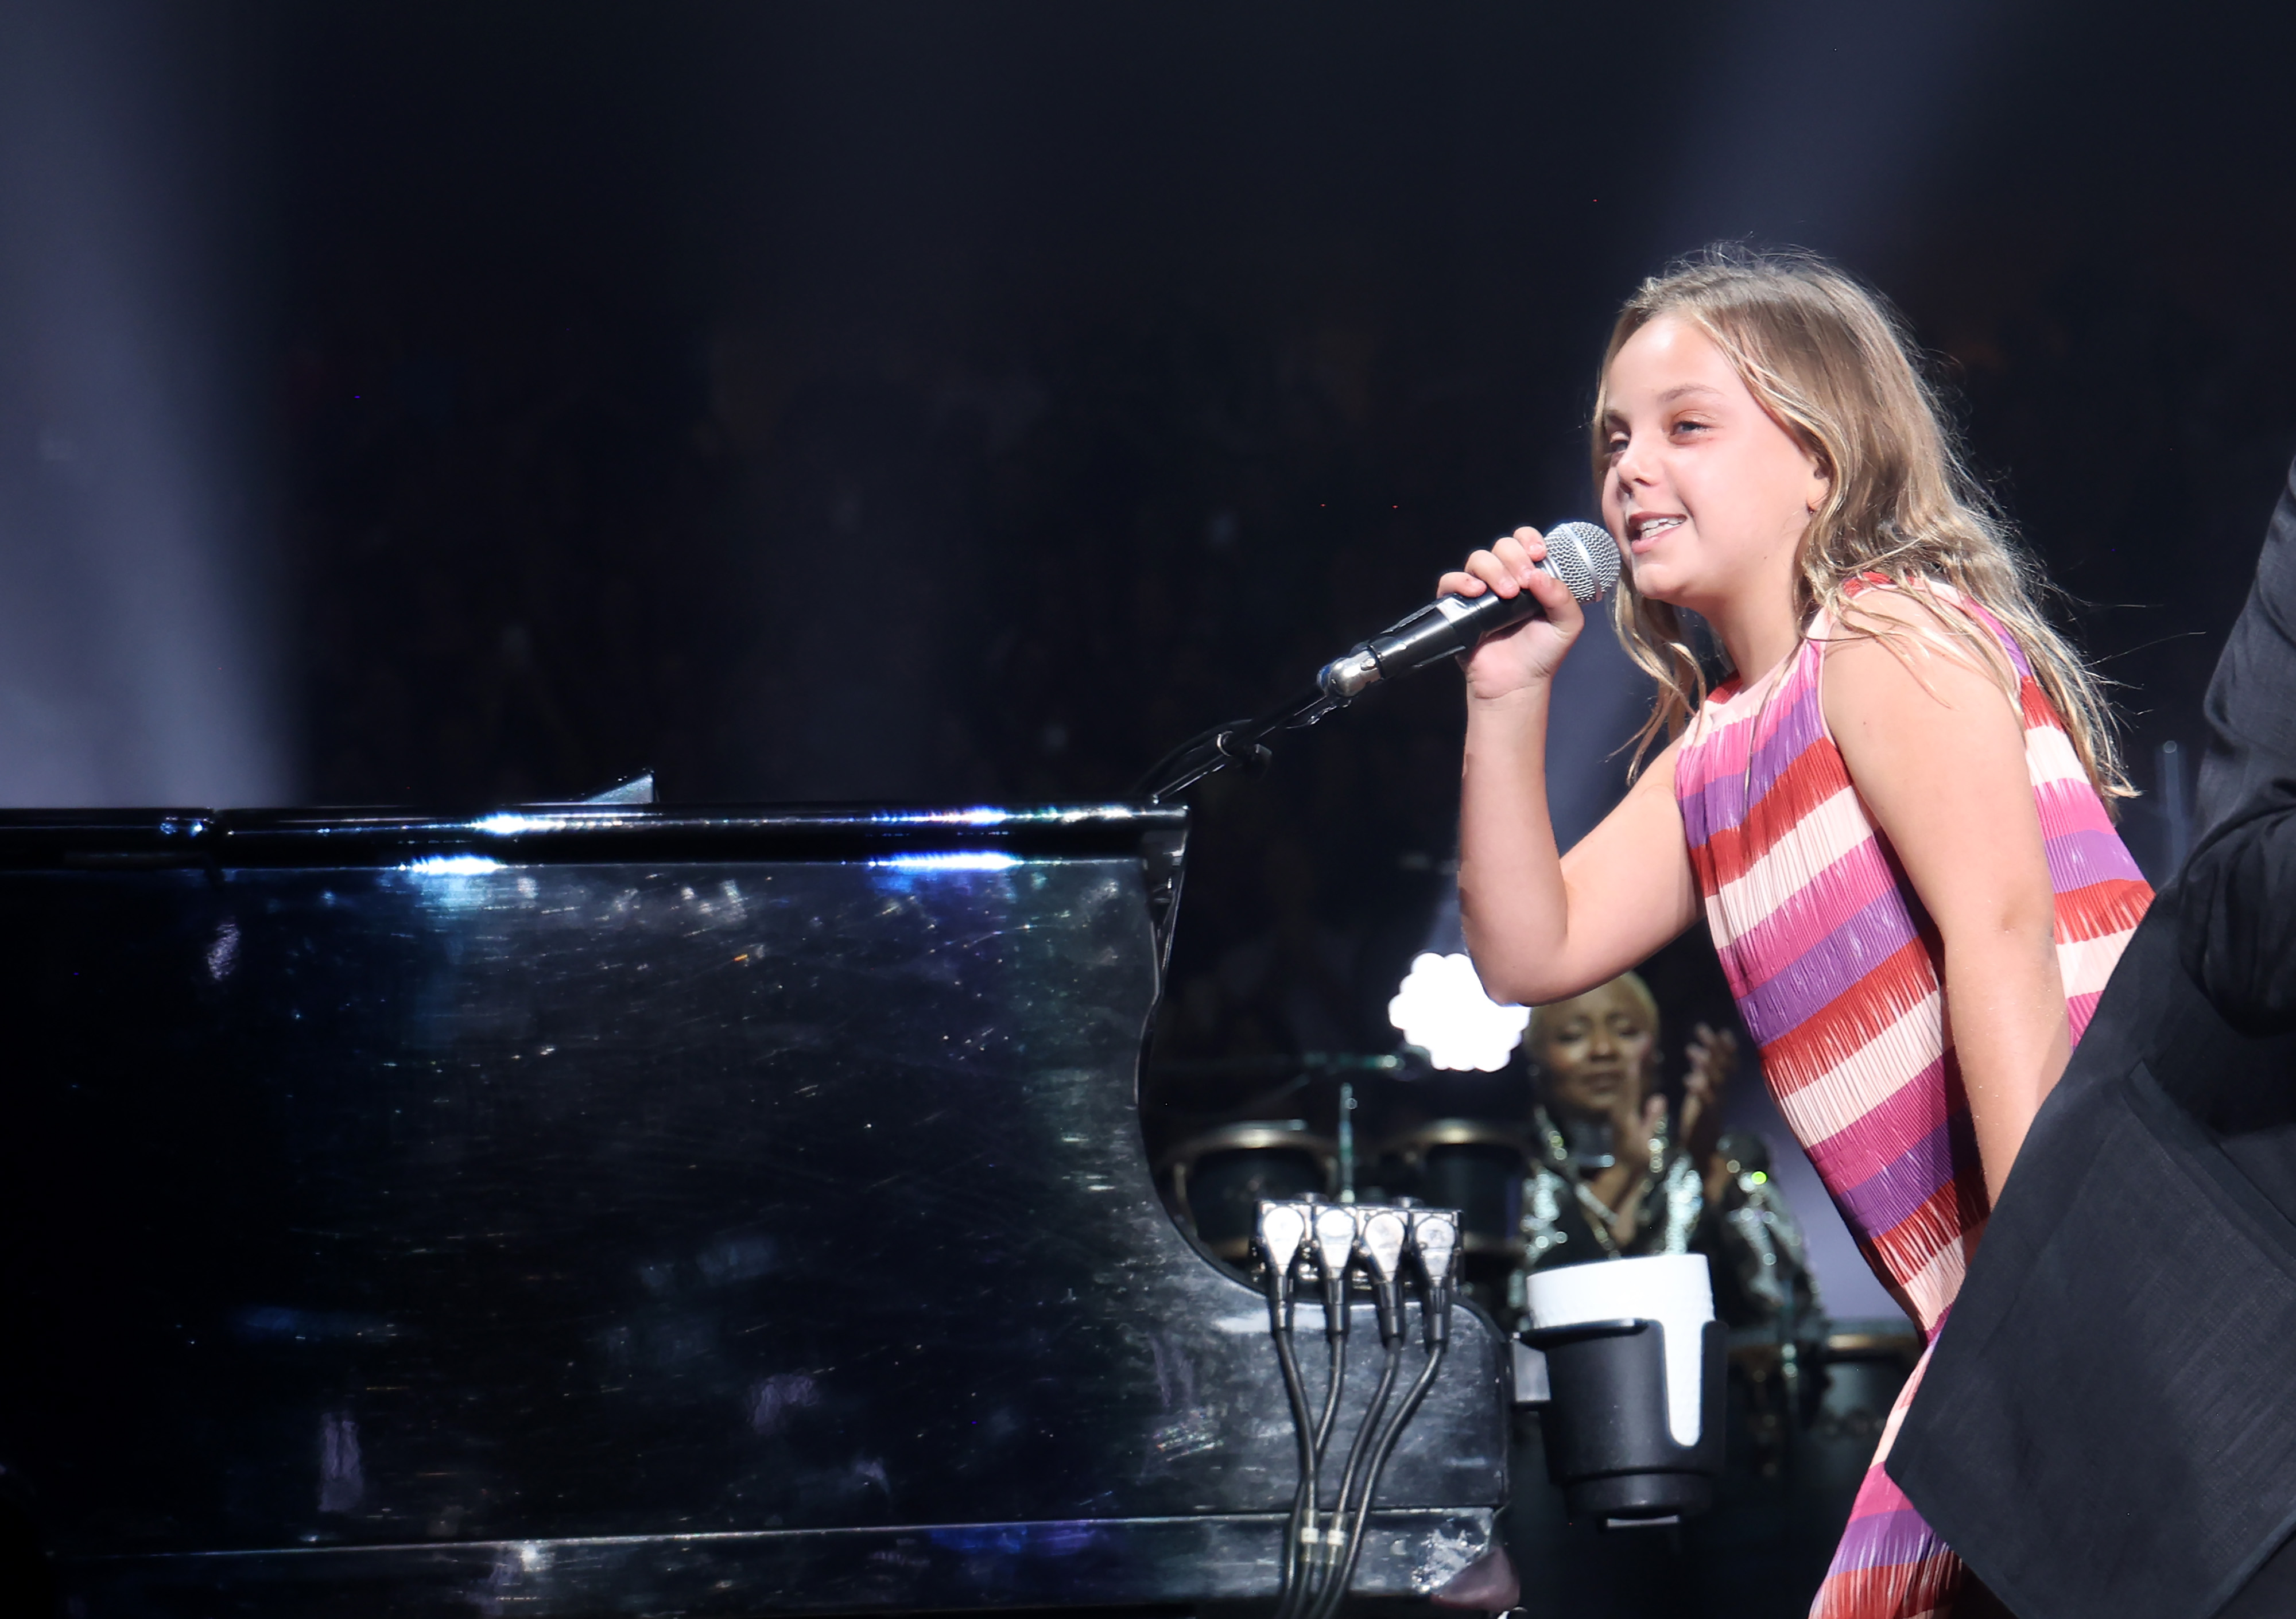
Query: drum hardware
1873	1341
1864	1364
1819	1402
1216	1179
1470	1165
1766	1368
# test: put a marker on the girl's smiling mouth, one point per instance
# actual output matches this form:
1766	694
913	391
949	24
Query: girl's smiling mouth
1642	531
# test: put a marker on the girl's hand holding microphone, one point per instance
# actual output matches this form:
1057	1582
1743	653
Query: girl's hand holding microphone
1523	656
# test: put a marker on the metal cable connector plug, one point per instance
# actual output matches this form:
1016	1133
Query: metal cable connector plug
1282	1228
1381	1235
1335	1244
1435	1244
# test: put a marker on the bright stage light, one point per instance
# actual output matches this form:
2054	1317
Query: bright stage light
1442	1009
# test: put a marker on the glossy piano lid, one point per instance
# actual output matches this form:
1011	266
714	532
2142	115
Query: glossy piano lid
586	831
580	1209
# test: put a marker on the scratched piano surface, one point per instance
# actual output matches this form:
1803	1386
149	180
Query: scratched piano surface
632	1210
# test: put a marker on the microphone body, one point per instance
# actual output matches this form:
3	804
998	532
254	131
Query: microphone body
1582	555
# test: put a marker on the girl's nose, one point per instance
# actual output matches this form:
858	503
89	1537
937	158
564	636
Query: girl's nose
1628	469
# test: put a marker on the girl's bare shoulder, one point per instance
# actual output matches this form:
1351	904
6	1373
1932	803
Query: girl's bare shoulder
1890	649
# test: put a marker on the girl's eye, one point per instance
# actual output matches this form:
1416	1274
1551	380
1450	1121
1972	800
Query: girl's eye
1681	427
1617	445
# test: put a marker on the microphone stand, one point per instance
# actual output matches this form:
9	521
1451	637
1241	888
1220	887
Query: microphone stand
1242	742
1581	555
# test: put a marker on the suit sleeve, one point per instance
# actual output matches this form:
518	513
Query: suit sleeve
2237	910
2237	916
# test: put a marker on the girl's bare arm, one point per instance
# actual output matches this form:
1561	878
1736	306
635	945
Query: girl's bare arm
1543	926
1937	750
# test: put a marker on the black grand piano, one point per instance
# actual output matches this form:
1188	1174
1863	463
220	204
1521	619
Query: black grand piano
619	1209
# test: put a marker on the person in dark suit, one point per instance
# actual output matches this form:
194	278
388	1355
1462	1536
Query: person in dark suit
2108	1426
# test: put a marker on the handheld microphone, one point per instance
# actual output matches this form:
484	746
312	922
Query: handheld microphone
1582	555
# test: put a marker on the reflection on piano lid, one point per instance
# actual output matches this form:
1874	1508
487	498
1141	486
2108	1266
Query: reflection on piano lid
611	1208
1283	1065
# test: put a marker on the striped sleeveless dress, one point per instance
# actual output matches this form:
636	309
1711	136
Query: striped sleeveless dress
1836	968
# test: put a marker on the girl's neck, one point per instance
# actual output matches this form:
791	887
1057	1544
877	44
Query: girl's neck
1759	647
1756	624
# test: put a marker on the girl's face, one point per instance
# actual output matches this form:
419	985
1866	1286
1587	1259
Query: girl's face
1596	1051
1705	491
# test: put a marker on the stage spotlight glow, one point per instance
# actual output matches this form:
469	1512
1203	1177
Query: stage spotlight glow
1441	1009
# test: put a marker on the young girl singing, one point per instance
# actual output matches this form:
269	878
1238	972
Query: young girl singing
1891	815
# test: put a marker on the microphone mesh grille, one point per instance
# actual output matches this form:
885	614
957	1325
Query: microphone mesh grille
1584	557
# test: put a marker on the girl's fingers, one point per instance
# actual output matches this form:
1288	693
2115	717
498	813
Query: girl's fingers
1551	592
1493	572
1508	565
1529	547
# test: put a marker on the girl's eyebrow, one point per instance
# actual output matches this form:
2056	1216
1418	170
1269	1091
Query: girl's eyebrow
1681	388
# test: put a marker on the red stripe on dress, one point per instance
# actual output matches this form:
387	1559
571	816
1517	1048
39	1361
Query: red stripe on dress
1850	1021
2040	713
1815	776
1944	1219
2114	905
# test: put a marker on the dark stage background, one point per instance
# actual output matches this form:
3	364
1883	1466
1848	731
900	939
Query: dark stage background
469	405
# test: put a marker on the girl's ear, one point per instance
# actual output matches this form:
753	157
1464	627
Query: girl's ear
1820	480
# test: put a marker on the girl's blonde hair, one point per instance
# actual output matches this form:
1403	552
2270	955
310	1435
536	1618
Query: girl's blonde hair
1832	363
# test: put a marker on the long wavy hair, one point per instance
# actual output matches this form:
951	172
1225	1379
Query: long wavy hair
1831	362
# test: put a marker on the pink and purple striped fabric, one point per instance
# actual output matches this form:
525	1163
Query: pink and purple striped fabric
1836	968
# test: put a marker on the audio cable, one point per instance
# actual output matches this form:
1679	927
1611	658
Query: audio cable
1381	1237
1332	1234
1311	1242
1435	1244
1281	1234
